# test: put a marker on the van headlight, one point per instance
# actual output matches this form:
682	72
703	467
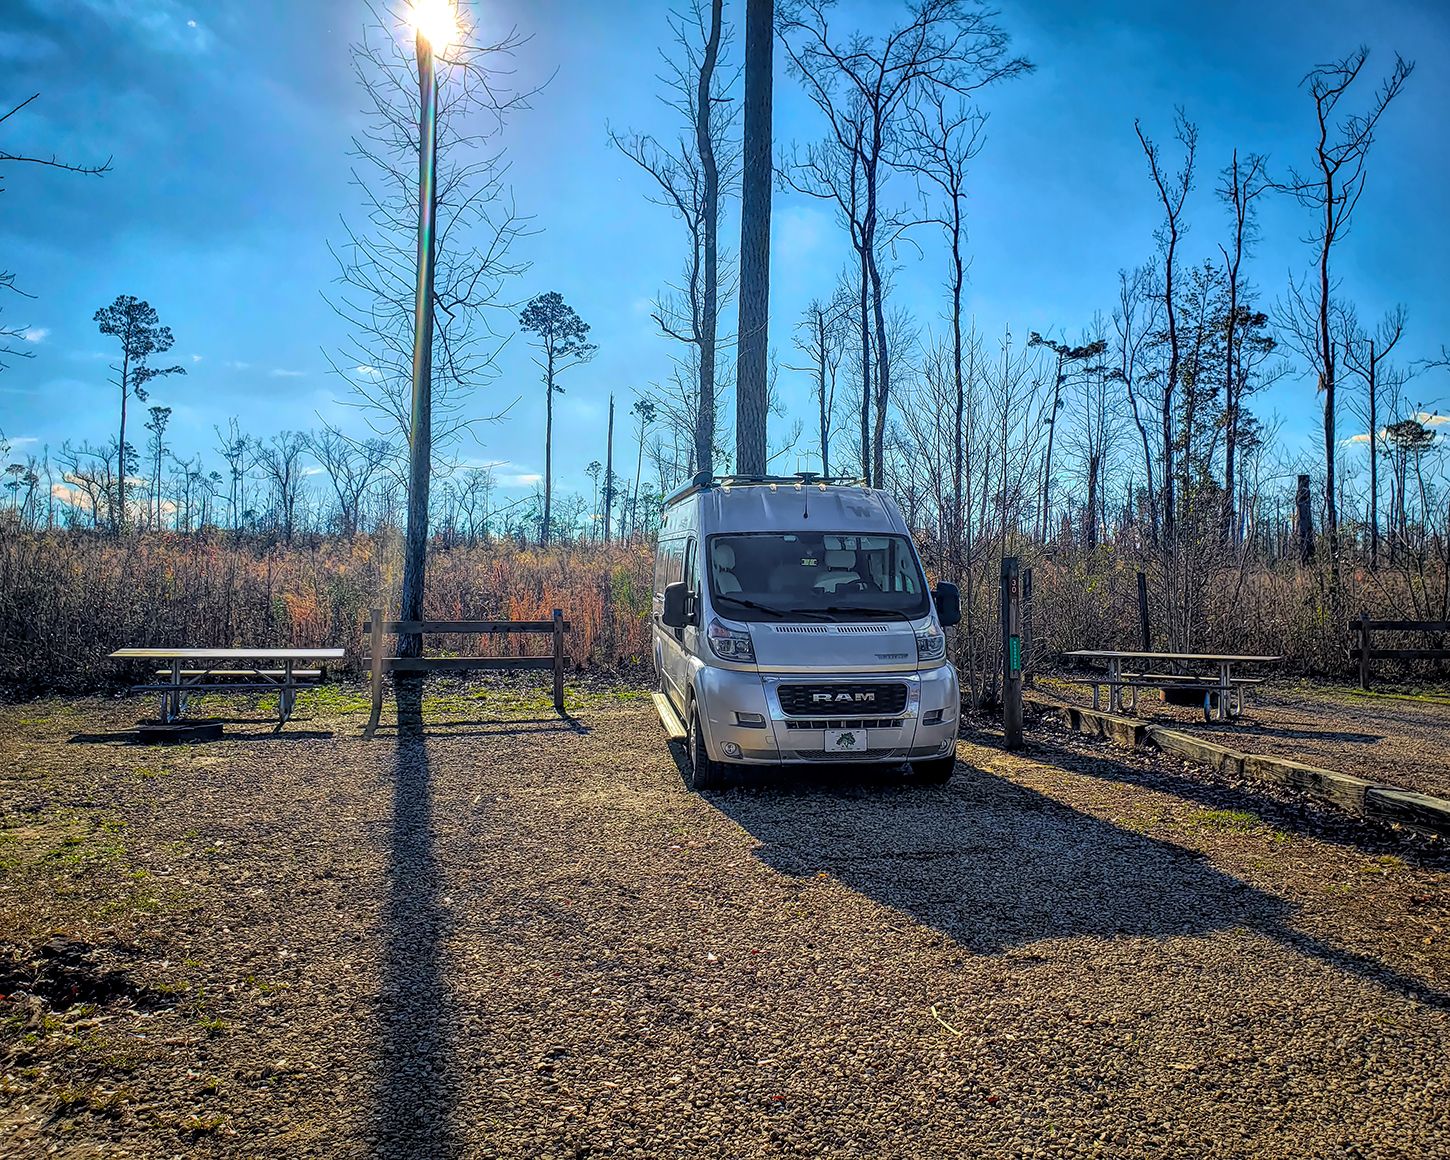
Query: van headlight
931	645
730	644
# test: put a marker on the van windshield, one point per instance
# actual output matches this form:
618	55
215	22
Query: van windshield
818	575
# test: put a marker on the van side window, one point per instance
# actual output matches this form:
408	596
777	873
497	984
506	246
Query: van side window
692	567
669	561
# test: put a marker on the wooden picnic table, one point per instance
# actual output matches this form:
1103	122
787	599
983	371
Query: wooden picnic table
1225	689
191	670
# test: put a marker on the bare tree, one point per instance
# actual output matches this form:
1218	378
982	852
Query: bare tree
946	134
351	466
1331	190
1135	320
1066	356
477	224
864	87
1364	354
281	462
1172	193
7	278
1241	185
821	337
694	173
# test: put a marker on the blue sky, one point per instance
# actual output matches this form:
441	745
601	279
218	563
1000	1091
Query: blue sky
228	123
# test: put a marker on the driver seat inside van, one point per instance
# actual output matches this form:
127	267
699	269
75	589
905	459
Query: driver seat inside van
722	563
841	563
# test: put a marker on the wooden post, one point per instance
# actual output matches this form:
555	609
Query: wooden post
559	660
375	639
1363	649
1145	638
1011	654
1304	520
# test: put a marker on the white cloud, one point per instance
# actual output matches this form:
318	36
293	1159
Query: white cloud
519	479
1430	419
1357	439
371	372
233	365
191	23
280	373
196	358
35	334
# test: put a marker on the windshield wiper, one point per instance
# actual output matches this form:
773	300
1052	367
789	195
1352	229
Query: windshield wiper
770	608
864	610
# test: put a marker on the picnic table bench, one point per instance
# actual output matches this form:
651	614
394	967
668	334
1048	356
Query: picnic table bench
1222	689
198	670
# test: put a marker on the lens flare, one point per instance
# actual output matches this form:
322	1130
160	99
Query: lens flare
435	20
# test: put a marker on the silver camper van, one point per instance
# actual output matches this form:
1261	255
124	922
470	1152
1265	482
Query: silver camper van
792	623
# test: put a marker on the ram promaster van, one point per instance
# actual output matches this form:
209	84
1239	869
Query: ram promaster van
793	625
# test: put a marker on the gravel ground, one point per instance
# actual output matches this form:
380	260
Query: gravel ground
524	937
1399	738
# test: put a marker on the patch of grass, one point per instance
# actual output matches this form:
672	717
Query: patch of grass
335	699
1384	864
212	1025
199	1125
265	986
151	772
1237	821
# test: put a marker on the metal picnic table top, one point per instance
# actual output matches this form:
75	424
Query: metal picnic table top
1130	655
229	654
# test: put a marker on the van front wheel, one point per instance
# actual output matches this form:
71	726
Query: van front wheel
704	772
935	772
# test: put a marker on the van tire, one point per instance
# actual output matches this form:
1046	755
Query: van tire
705	773
938	771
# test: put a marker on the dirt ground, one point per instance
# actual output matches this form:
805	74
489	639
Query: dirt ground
518	936
1398	737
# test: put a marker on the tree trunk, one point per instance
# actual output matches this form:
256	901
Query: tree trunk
1304	520
548	445
1374	478
754	335
821	384
118	517
710	203
865	365
609	472
883	375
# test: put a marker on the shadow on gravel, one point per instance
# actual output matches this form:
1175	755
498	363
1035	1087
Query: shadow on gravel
994	865
415	1095
1304	818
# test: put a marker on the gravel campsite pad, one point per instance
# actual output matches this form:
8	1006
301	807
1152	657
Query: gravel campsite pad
523	937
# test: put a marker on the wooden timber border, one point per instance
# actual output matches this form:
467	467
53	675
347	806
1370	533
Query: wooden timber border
1368	799
378	663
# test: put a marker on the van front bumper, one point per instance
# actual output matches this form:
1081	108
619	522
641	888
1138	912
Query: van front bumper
743	721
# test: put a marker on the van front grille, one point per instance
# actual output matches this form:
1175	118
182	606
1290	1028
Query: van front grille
848	723
808	700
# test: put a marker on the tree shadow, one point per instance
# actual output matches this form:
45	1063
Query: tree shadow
1246	728
1302	816
416	1090
994	865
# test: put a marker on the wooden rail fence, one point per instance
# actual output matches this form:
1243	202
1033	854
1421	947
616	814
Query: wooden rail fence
376	628
1364	649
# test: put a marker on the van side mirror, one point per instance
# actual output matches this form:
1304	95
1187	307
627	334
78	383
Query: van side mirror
948	604
675	614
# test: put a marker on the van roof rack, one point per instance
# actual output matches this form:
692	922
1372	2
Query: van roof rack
704	480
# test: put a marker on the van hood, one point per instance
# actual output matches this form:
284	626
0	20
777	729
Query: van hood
874	646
